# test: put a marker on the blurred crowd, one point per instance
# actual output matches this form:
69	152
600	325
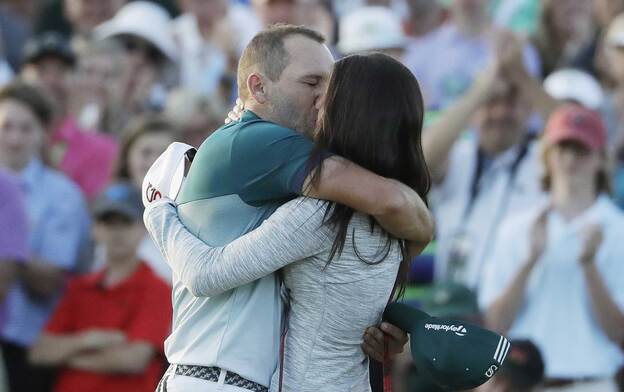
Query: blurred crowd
524	137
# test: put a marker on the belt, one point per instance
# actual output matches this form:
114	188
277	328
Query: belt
211	373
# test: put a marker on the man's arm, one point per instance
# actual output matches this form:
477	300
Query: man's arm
132	358
397	208
58	349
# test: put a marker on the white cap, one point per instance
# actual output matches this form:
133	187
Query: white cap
370	28
166	175
145	20
571	84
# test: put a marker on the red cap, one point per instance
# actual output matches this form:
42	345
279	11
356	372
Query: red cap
578	124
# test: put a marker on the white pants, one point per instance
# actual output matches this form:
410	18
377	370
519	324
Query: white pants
607	385
172	382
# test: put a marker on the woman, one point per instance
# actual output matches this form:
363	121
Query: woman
556	276
340	267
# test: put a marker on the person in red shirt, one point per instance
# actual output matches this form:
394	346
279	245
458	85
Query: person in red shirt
108	331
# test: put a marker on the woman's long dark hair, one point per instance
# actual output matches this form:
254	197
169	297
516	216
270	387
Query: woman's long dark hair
372	116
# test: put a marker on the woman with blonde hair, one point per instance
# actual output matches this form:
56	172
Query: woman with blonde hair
556	275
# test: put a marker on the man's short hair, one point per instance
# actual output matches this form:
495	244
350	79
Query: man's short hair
33	98
266	53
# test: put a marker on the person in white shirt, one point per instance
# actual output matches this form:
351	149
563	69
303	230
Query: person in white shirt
556	274
483	174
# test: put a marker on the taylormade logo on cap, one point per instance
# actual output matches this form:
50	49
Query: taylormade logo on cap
459	329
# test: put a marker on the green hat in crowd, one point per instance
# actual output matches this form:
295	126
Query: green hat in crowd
449	355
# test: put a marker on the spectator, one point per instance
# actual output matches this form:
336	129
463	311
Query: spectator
440	63
144	30
58	219
523	370
482	177
87	157
555	276
143	142
13	234
423	17
108	331
564	32
372	28
195	117
47	62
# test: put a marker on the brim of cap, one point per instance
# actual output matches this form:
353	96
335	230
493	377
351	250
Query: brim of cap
586	141
110	209
36	56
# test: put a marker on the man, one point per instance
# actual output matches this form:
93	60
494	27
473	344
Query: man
58	220
482	177
239	176
87	157
107	332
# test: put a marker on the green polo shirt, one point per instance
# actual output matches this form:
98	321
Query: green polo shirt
240	175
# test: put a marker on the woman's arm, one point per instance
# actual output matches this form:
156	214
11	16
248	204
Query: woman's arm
292	233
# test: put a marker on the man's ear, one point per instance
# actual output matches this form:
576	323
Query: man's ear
257	87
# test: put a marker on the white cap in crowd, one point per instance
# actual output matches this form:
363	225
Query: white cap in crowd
145	20
370	28
569	84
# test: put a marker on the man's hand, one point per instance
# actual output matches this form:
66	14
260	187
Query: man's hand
387	339
236	112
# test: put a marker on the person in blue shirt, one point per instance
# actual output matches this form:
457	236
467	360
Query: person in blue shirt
58	222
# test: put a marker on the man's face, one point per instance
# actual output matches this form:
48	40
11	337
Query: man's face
502	120
85	15
295	98
21	135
